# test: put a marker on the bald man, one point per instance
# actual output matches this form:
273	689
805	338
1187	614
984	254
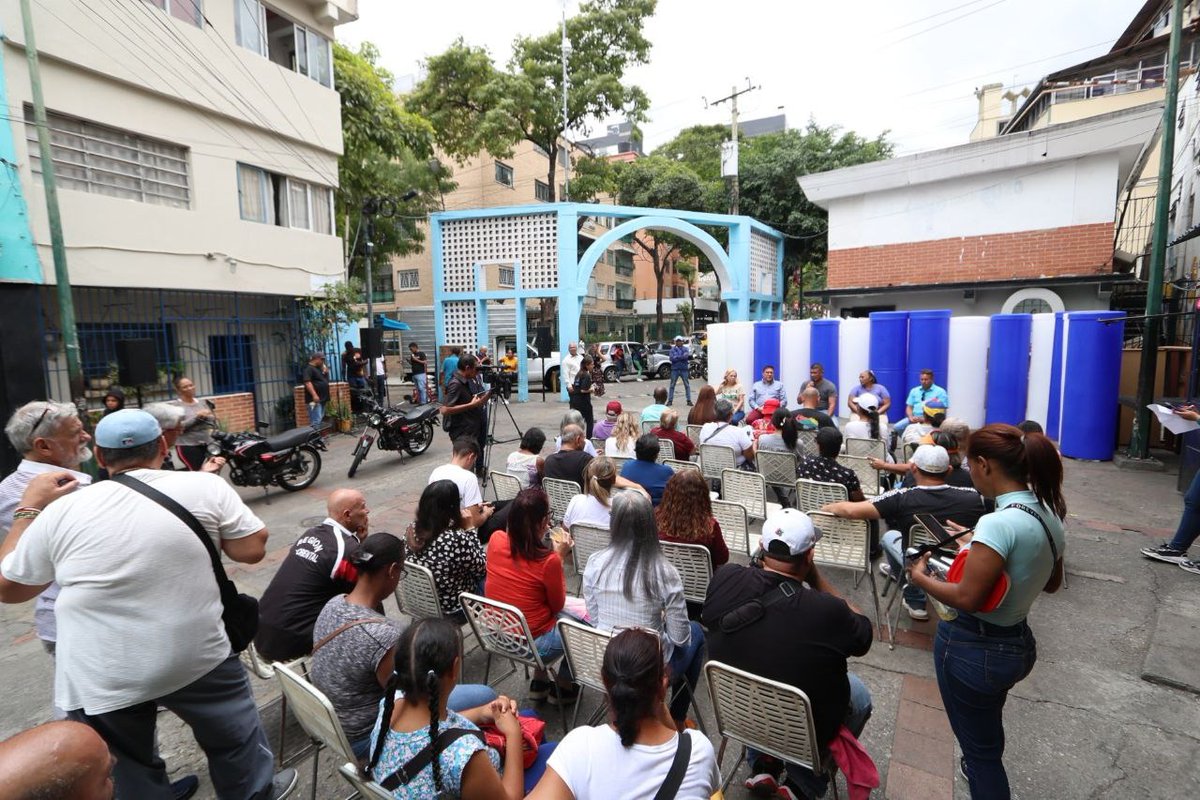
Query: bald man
56	761
312	573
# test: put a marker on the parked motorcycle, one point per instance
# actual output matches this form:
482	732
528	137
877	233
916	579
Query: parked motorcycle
290	460
395	428
698	366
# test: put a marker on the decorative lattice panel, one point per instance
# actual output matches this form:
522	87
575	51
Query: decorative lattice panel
460	323
764	261
531	239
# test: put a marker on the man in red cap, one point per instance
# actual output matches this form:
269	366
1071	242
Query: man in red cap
604	428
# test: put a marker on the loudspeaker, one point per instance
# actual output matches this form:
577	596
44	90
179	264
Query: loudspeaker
541	340
136	362
372	342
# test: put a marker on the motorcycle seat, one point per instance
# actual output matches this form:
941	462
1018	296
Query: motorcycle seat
415	413
289	439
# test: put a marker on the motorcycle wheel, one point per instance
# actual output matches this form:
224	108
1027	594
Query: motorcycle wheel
310	462
360	452
419	442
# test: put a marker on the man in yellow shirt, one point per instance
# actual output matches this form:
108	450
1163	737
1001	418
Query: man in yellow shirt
508	362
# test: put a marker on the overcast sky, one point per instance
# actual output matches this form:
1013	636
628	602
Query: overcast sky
908	67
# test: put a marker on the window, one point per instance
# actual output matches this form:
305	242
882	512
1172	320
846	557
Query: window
98	343
504	174
279	200
507	278
290	45
612	292
186	10
1033	305
408	279
89	157
541	191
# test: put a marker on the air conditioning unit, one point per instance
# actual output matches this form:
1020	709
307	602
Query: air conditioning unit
969	296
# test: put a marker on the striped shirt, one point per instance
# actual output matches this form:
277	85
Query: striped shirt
608	607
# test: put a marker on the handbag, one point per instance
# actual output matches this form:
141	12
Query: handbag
239	611
533	733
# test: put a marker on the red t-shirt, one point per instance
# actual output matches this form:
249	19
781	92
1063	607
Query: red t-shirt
718	551
683	445
538	588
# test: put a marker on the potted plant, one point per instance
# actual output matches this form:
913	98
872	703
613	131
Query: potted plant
340	413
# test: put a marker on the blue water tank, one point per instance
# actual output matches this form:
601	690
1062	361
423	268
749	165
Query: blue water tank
889	357
1008	368
766	348
824	348
928	348
1093	360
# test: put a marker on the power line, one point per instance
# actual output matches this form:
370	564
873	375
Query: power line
941	24
938	14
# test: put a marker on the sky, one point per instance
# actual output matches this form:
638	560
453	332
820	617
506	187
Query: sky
910	68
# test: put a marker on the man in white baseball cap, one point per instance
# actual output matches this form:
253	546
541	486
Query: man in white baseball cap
787	623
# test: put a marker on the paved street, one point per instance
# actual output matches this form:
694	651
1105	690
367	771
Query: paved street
1083	725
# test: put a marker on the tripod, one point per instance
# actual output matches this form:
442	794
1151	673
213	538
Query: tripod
497	398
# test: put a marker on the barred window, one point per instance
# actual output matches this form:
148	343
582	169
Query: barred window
89	157
408	279
541	191
506	277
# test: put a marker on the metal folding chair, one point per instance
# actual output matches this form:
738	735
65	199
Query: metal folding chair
778	468
715	459
846	544
694	563
868	476
808	442
735	525
504	486
584	648
666	449
648	427
679	466
560	493
316	716
589	539
366	789
749	489
814	495
868	448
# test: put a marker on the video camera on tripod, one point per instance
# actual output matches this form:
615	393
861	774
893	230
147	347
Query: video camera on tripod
500	382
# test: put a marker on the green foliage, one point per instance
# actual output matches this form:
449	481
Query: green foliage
476	107
388	152
325	312
699	147
595	178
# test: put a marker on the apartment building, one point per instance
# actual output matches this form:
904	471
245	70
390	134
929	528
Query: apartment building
488	182
196	145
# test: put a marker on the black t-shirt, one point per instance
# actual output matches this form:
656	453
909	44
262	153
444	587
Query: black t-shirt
309	576
566	465
320	383
955	503
823	419
583	382
460	391
802	641
418	368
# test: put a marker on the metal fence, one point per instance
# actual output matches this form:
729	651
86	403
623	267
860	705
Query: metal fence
226	342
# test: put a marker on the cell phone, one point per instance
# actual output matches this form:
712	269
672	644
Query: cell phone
481	394
936	529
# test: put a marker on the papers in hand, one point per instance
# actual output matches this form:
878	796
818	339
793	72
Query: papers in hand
1172	421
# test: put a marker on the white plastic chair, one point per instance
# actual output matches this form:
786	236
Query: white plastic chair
316	716
666	449
504	486
503	631
735	525
589	539
714	459
867	448
767	715
252	661
749	489
584	648
647	427
846	544
560	493
366	789
868	476
693	433
618	462
680	466
598	444
417	594
694	563
778	468
808	442
814	495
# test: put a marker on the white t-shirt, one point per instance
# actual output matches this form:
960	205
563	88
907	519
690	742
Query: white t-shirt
861	429
611	448
570	368
139	613
594	765
739	438
468	485
586	509
519	465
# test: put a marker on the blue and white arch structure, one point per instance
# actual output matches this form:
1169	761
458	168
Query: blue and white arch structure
475	251
1004	368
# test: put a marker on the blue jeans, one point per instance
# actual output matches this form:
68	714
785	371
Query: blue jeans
219	708
316	413
550	647
679	374
1189	523
857	714
893	545
975	670
462	697
421	387
686	661
738	416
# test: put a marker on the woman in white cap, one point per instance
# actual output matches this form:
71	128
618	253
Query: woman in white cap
869	424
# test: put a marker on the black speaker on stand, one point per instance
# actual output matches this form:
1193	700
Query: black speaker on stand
136	364
372	342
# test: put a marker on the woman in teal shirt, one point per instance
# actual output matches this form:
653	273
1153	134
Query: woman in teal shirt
980	655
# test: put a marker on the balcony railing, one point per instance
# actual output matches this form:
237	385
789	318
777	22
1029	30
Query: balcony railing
624	304
381	296
623	271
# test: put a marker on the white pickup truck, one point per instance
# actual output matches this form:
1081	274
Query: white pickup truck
547	367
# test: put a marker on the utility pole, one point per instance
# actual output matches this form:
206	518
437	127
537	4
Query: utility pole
1139	441
732	99
62	279
566	51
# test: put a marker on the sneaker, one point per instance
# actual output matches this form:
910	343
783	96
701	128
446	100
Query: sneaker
885	569
786	792
185	787
1164	552
962	768
561	695
538	689
764	784
914	611
284	783
1190	566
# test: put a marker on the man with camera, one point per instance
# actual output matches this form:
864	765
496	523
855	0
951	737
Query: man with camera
465	410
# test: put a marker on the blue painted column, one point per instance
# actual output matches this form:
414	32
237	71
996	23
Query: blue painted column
18	253
1008	368
737	299
570	293
481	311
889	357
522	335
766	346
824	347
439	307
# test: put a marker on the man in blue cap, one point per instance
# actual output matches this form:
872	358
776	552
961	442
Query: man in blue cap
134	579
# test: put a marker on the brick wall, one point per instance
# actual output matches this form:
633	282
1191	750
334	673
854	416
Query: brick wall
235	411
338	391
1077	250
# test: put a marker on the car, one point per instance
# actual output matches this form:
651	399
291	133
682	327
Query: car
659	365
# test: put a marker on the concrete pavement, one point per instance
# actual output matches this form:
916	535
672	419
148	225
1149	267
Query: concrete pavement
1085	724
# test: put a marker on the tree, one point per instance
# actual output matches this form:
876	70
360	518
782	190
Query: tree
323	314
658	182
387	153
476	107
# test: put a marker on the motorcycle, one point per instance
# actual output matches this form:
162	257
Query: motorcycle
290	460
395	428
698	366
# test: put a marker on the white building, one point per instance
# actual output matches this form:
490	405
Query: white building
196	145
